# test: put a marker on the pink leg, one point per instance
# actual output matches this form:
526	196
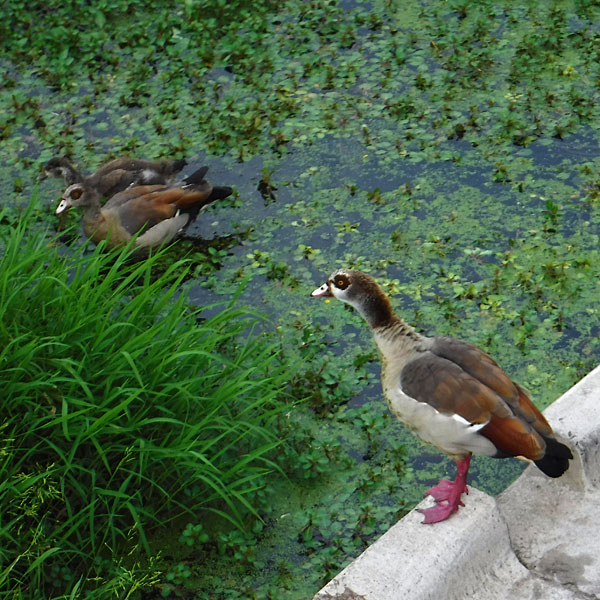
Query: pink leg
447	494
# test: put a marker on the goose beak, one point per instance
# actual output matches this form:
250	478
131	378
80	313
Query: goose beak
322	292
62	207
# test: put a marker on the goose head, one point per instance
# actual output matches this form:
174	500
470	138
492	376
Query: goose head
360	291
74	196
61	167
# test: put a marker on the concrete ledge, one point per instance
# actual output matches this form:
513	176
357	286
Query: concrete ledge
552	525
555	531
454	559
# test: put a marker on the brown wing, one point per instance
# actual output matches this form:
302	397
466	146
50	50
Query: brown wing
113	165
119	180
124	164
140	213
182	197
482	367
450	389
132	194
166	168
514	437
111	182
145	206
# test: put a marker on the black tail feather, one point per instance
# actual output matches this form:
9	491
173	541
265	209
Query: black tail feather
217	193
220	193
179	164
556	460
196	177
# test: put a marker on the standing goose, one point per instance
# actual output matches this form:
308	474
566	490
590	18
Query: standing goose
156	212
116	175
449	393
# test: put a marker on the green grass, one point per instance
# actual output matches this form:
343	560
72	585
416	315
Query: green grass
124	409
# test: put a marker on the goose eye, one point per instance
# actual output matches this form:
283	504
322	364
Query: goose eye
341	281
76	194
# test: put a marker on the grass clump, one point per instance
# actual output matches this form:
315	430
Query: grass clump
124	409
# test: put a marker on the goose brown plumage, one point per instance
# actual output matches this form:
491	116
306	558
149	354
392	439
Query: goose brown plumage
116	175
450	393
156	213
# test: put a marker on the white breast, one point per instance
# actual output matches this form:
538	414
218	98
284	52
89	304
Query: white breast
450	433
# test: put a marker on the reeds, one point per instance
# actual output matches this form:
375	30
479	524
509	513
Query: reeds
123	410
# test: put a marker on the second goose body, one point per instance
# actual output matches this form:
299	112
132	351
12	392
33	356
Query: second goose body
116	175
155	212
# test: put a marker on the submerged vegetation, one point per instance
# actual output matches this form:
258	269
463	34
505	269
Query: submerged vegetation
448	148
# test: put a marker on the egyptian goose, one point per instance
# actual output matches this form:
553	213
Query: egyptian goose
449	393
156	212
116	175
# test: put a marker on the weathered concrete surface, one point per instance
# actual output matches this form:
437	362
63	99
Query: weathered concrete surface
555	531
458	558
554	524
539	541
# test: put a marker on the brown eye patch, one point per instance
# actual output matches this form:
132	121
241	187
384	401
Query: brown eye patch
76	193
341	281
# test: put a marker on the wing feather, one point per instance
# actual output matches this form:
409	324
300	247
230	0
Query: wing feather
457	378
